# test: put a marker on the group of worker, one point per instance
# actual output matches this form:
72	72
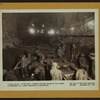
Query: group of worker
39	67
36	67
83	62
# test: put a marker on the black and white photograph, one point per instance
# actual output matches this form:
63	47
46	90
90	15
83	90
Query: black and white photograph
48	46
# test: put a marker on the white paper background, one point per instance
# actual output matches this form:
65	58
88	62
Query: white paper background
55	85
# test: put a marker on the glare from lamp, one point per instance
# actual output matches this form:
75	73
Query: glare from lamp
42	25
32	31
72	28
33	25
90	24
51	32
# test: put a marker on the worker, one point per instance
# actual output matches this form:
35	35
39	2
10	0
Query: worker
81	74
74	54
56	74
83	62
37	68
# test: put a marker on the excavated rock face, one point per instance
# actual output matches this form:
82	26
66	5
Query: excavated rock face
10	38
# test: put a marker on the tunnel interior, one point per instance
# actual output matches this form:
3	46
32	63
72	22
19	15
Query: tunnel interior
44	31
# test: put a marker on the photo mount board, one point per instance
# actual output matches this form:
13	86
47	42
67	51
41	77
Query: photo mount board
52	93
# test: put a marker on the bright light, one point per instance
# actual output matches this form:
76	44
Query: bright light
33	25
90	24
42	25
72	28
32	31
51	32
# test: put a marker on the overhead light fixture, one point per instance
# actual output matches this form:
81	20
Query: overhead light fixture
32	31
43	25
51	32
72	28
90	24
33	25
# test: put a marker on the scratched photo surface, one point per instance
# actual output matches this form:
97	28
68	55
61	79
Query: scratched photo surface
48	46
